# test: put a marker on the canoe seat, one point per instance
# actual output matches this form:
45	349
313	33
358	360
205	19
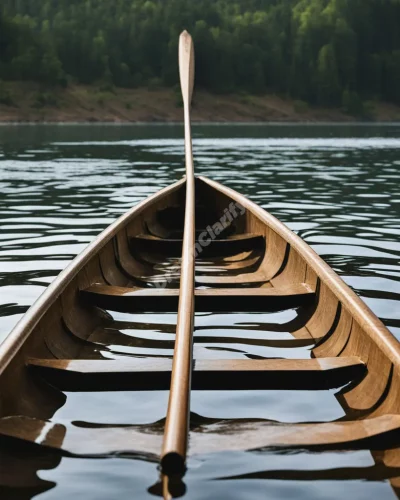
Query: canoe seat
257	277
122	299
221	374
239	262
172	247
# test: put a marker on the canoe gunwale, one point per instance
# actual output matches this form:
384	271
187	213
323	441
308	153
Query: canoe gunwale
24	327
362	314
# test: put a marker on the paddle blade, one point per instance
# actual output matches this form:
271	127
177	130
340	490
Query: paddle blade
186	66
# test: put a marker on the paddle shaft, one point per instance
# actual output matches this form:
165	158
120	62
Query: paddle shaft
173	456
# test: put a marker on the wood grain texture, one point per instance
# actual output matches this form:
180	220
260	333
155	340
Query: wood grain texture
334	344
368	321
15	340
168	247
217	300
256	265
174	448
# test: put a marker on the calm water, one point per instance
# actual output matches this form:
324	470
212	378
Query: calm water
337	186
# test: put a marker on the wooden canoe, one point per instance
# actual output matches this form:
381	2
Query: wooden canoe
236	257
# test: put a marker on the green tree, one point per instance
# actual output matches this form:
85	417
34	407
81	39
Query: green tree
327	76
311	50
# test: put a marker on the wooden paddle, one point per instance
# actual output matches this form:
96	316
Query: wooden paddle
173	456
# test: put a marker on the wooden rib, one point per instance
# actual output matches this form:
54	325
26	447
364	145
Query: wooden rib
11	346
390	402
269	266
391	458
334	344
323	320
173	454
365	395
238	374
368	321
128	263
111	272
216	247
156	229
56	337
78	319
293	271
217	300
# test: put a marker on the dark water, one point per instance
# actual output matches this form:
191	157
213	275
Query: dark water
337	186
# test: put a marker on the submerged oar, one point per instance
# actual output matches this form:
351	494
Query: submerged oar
173	456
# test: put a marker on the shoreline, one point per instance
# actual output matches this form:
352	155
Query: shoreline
27	103
205	124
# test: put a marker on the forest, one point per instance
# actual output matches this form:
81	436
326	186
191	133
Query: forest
323	52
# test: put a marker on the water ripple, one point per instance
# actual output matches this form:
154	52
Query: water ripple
337	187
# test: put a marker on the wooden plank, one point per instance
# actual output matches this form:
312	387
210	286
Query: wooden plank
224	265
12	344
274	257
212	247
221	300
239	279
112	337
361	313
224	374
247	259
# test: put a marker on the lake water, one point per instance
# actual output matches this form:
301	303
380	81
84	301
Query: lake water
338	187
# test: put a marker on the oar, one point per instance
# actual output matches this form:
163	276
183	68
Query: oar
173	456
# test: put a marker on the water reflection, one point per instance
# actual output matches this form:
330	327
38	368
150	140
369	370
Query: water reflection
337	187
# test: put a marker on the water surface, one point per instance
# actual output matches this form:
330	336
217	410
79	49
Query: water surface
338	187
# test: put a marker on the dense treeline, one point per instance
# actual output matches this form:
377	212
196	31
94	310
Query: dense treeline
25	54
326	52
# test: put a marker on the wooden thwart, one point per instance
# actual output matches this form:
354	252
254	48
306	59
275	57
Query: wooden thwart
211	248
239	279
224	374
217	300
